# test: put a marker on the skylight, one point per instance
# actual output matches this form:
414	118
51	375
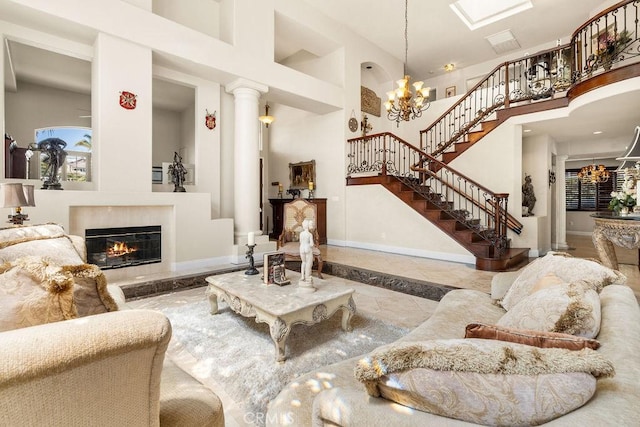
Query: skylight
476	14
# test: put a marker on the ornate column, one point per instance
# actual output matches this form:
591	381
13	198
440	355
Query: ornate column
561	204
246	157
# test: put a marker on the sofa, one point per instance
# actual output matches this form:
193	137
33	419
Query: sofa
71	353
337	395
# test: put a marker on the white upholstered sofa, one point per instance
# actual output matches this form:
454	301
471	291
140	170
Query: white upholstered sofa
332	396
85	359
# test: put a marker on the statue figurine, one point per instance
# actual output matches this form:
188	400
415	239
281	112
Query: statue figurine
528	196
306	255
53	155
177	172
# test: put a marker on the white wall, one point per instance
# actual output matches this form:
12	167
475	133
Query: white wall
167	129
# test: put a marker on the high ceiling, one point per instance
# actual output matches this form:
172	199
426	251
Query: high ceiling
436	37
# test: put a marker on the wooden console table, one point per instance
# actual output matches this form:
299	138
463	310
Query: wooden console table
321	222
613	229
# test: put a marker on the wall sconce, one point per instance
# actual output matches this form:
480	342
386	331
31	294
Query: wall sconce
15	196
266	119
552	178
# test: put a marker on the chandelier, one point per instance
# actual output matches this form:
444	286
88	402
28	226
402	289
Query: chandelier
594	174
402	103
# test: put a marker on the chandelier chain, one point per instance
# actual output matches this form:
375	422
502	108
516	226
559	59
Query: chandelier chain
406	36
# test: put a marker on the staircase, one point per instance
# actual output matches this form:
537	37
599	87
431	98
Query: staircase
467	232
472	215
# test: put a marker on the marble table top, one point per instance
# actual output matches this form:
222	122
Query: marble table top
279	300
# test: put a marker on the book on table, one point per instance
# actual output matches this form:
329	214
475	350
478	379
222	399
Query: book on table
274	269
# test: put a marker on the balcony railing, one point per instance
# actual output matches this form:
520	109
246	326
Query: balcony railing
610	39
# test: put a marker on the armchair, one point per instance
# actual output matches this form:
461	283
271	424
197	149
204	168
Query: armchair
293	214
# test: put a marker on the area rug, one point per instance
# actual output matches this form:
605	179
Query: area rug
238	353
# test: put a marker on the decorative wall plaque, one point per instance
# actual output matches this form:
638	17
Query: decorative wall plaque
369	101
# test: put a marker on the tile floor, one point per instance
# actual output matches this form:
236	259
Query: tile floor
393	307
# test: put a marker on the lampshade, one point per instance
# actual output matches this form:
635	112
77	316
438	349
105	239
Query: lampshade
12	195
28	195
266	119
633	153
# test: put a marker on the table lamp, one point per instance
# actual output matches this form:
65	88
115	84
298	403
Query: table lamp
15	196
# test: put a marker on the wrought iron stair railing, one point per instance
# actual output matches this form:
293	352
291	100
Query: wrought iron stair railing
475	207
609	39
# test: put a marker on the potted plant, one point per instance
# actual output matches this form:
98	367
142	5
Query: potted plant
625	199
610	48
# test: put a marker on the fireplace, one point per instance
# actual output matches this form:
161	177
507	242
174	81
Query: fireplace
121	247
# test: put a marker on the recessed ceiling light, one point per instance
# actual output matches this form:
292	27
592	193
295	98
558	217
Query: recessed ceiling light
597	132
526	130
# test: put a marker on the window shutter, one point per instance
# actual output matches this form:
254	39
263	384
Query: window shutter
572	188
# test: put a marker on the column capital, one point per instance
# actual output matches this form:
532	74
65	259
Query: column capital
245	84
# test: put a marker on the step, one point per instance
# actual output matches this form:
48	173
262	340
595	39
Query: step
513	259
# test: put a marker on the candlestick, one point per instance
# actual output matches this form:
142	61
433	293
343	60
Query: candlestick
252	270
251	239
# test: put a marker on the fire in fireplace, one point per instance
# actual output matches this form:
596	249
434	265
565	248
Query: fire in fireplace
120	247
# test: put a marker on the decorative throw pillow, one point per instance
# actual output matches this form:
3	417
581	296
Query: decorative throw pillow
59	250
570	308
16	234
90	292
549	279
34	291
484	381
529	337
567	268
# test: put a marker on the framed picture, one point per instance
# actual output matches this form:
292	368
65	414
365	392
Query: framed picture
156	174
450	91
301	174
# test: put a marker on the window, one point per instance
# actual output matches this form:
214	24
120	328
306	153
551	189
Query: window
583	196
77	162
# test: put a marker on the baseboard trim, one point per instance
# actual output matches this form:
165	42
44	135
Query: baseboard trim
420	253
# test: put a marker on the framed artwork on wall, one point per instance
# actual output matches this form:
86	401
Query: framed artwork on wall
301	174
450	91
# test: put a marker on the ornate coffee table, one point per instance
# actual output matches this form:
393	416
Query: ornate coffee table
281	307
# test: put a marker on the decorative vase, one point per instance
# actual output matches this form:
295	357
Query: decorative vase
624	211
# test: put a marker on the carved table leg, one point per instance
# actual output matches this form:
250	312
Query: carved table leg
279	333
605	248
213	301
347	314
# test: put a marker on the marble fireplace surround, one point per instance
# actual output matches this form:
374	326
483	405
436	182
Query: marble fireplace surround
82	218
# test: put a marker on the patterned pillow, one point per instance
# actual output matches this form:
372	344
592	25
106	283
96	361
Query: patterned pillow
567	268
570	308
484	381
529	337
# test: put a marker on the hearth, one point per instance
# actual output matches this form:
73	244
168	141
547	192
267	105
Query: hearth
121	247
